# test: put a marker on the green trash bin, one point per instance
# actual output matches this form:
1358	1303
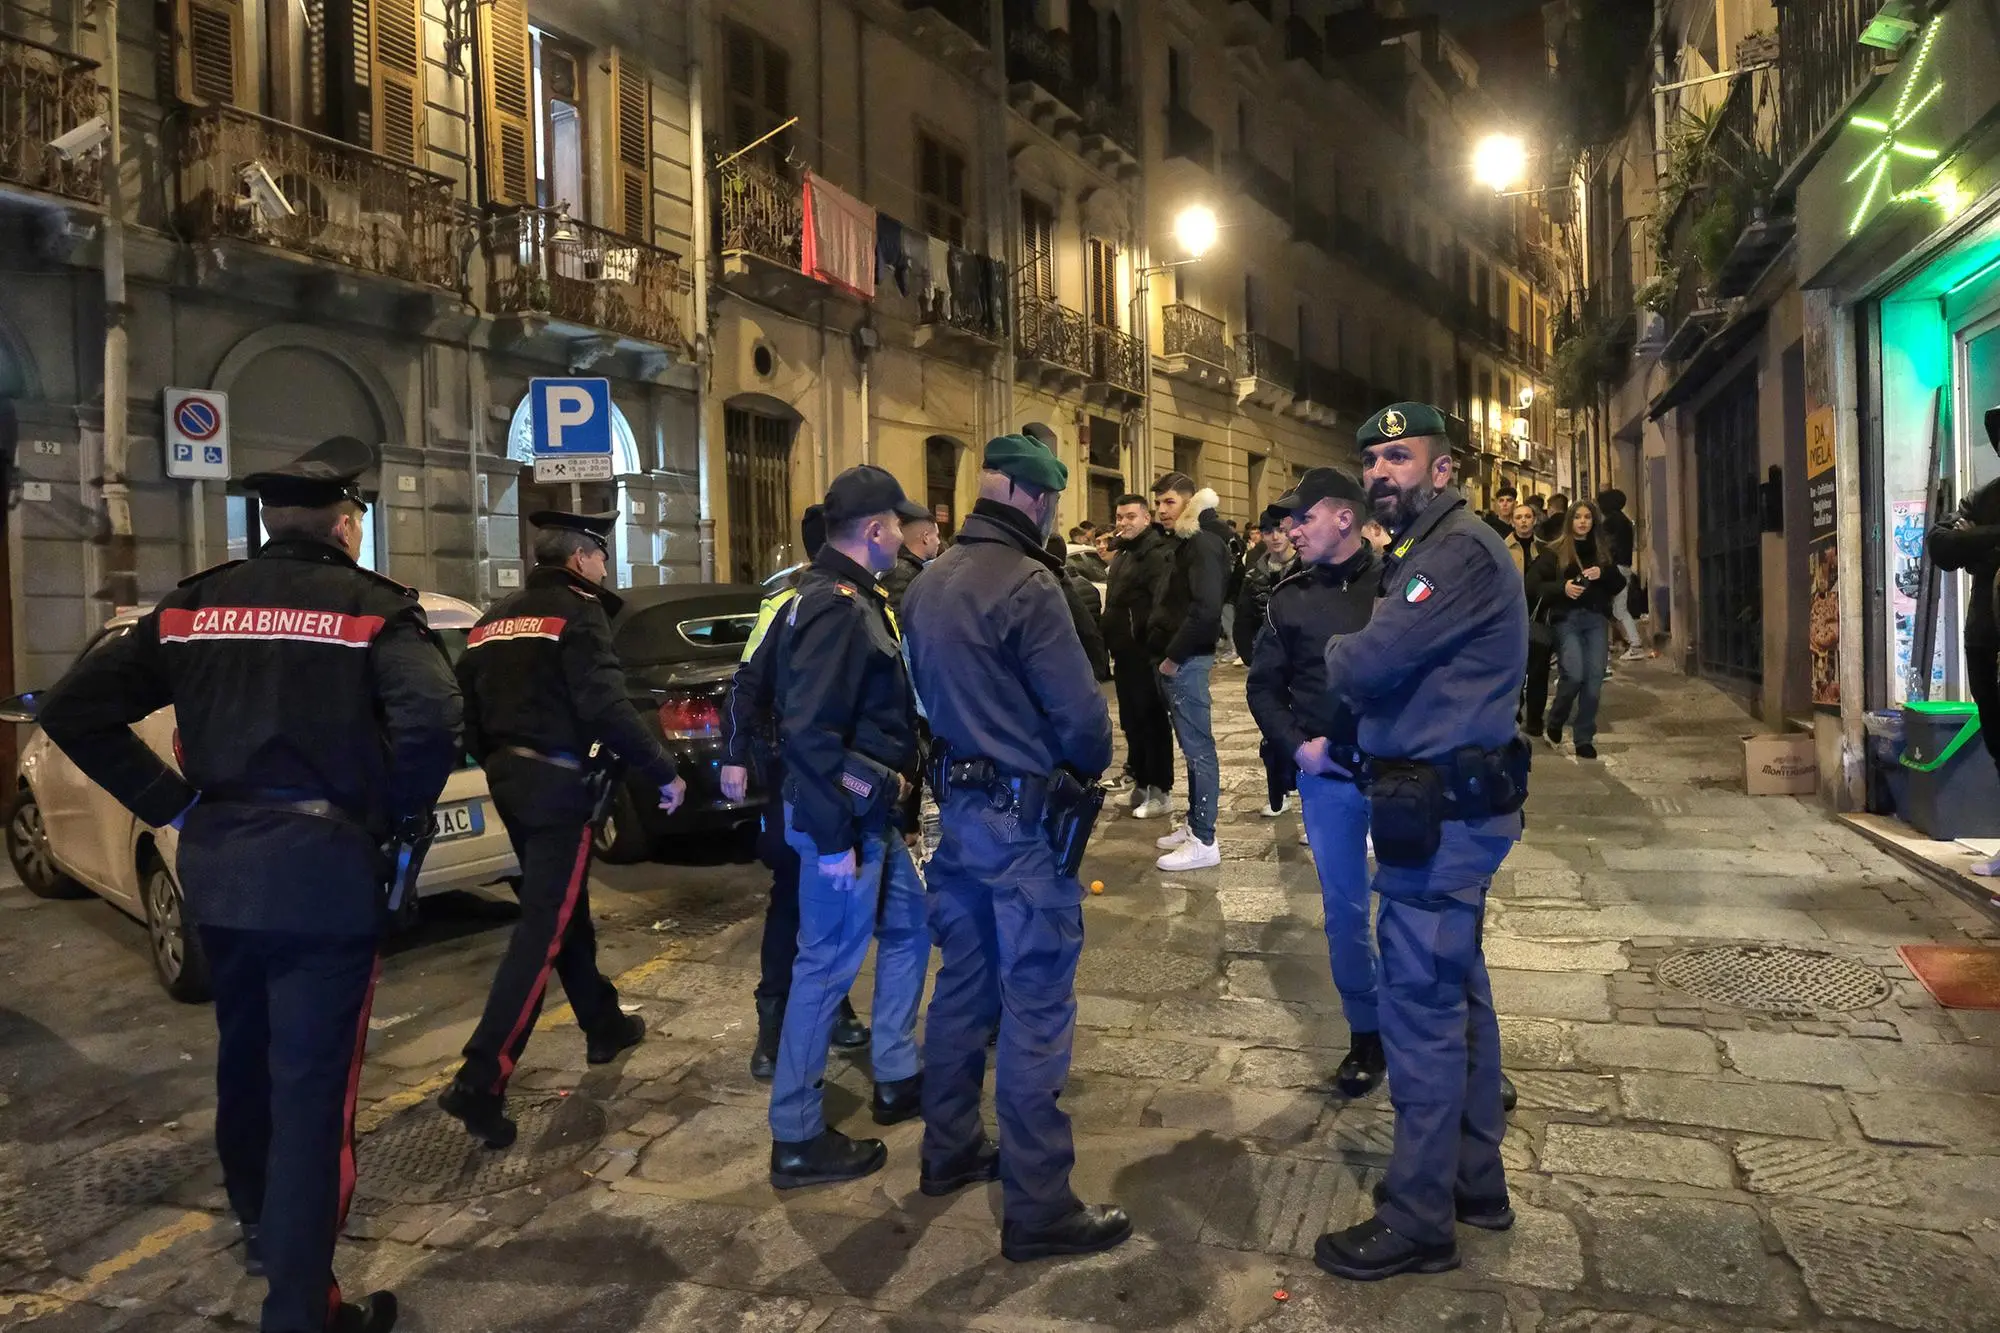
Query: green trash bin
1953	790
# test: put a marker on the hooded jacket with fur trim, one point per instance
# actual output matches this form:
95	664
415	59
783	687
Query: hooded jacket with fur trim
1187	608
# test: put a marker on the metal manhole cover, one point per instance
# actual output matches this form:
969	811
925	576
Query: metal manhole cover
424	1156
1140	971
82	1196
1787	982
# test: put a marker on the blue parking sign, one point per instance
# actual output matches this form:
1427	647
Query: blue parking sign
570	416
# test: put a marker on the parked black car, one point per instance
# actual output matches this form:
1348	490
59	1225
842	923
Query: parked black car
679	645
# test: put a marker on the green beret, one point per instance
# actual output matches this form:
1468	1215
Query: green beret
1027	461
1400	421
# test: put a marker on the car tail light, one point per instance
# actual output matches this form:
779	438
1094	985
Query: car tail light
686	719
180	755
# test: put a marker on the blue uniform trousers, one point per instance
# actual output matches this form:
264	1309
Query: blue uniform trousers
291	1014
1336	818
1440	1032
1009	931
887	905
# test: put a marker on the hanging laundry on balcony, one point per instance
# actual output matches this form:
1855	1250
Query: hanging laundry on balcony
889	257
940	265
840	238
917	265
968	300
993	287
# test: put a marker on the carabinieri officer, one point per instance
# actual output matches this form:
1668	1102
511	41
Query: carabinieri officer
848	739
544	694
318	720
1433	678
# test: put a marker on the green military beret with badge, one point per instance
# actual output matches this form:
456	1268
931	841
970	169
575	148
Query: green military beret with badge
1400	421
1023	459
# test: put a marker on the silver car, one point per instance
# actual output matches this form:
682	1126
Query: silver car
67	837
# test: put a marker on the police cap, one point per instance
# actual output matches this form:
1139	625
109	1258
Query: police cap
323	475
1323	483
861	491
597	527
1400	421
1027	460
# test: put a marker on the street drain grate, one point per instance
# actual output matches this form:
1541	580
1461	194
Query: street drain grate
424	1156
94	1190
698	918
1793	983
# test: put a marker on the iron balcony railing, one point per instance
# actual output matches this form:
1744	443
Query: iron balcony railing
1117	359
540	262
763	214
1040	56
1319	384
1045	330
1261	183
1820	63
968	16
255	179
1259	356
1190	137
967	310
1194	333
1115	120
44	94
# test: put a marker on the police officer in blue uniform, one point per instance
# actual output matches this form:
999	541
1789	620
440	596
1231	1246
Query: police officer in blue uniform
1020	729
848	740
1332	592
545	696
1434	678
750	743
318	720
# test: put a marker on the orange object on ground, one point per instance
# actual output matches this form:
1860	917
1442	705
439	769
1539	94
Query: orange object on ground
1959	976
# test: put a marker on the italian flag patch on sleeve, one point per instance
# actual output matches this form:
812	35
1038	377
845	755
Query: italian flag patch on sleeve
1418	589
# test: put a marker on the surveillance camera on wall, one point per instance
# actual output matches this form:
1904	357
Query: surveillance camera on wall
265	196
85	138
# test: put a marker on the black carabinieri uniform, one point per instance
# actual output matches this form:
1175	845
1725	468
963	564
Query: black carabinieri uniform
542	687
316	713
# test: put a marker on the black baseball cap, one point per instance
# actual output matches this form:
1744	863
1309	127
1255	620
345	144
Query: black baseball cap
812	530
1323	483
597	527
861	491
323	475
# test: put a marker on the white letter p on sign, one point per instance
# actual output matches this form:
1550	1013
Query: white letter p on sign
567	405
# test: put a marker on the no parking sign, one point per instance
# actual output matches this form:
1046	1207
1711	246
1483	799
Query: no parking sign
197	434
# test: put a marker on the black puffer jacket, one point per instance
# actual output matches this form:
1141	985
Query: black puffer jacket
1187	608
1550	572
1617	527
1136	572
1260	575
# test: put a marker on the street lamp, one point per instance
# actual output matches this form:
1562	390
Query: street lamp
1195	230
1500	162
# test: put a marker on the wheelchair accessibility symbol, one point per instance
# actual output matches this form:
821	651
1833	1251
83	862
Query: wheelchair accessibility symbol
197	433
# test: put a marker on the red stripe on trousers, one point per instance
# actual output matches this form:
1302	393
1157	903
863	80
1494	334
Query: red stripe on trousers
347	1176
534	1000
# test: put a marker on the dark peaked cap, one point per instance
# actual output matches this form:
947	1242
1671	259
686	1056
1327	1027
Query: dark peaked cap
323	475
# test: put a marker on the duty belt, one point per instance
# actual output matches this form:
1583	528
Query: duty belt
287	803
1024	798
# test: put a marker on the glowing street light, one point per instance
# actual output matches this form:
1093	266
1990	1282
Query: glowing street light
1527	396
1195	230
1500	162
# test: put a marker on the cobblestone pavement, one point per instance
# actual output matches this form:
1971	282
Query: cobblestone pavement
1813	1144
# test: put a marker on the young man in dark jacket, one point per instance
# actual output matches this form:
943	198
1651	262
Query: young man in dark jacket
1271	562
1616	527
1137	569
1084	609
1185	626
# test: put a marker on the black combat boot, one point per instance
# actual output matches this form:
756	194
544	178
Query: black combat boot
822	1161
849	1032
1361	1072
980	1164
1092	1227
1371	1251
770	1024
253	1250
484	1115
619	1035
899	1100
373	1313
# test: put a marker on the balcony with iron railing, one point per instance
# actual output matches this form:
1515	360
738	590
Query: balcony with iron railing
1262	184
1041	82
1190	138
763	213
243	176
44	94
1196	343
1051	342
543	264
1117	367
1821	65
1267	371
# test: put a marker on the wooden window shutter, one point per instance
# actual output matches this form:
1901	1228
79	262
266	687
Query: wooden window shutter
632	147
209	59
396	35
510	132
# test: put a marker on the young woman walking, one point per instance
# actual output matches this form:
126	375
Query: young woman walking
1576	581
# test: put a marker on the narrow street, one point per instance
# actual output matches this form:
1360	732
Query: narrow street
1679	1161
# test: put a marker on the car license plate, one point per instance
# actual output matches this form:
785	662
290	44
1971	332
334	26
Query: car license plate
458	821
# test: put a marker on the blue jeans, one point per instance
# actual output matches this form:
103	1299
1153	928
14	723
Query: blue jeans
1009	931
1336	818
1440	1032
886	904
1583	646
1188	704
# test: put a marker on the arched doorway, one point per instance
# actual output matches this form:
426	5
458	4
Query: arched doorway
757	436
941	456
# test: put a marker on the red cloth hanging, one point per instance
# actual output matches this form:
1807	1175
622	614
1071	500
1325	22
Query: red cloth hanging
839	241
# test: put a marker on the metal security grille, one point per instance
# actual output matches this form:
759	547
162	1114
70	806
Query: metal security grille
758	449
1728	539
424	1156
1788	982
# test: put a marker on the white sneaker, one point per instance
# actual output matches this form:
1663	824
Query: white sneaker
1194	854
1305	836
1179	837
1137	797
1273	811
1155	806
1635	654
1987	869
